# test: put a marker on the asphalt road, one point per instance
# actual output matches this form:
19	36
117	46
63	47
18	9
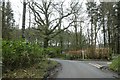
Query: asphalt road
82	69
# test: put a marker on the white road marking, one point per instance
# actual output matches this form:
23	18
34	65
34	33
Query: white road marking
109	63
96	65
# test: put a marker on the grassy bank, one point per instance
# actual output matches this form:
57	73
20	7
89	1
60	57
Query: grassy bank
38	70
24	60
115	66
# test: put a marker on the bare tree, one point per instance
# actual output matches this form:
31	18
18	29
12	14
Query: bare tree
75	18
46	25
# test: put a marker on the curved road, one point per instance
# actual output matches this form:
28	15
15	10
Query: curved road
81	69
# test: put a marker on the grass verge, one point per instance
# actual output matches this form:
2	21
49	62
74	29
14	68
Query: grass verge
38	70
115	66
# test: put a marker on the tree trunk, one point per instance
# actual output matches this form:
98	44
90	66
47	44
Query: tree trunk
118	44
76	37
23	19
118	30
80	41
91	31
68	43
29	25
60	38
95	32
46	42
109	35
61	44
0	21
3	19
109	38
92	40
104	33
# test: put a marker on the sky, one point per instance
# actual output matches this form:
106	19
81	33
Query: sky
18	8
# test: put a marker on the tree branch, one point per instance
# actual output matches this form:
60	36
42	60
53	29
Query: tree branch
59	22
61	30
36	13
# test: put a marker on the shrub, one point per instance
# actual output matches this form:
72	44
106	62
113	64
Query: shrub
53	52
115	64
17	54
98	53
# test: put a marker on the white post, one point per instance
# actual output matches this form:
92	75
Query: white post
83	54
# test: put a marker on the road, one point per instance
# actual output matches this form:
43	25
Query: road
82	69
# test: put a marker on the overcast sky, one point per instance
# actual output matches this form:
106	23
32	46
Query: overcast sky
18	7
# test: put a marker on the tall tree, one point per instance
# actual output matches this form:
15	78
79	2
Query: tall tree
9	13
118	27
3	18
0	19
80	35
92	13
103	12
7	20
23	19
43	15
60	10
76	19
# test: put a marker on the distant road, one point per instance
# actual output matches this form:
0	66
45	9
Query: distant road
82	69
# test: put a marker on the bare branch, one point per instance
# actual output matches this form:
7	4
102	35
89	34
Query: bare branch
40	7
60	19
40	20
61	30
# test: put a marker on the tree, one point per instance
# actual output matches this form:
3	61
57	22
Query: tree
93	14
29	22
110	31
103	11
7	20
1	19
23	19
76	18
118	28
75	26
60	10
81	39
42	13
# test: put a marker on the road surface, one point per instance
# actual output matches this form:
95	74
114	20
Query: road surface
82	69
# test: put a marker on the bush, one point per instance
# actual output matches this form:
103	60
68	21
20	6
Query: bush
115	64
17	54
70	56
53	52
98	53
